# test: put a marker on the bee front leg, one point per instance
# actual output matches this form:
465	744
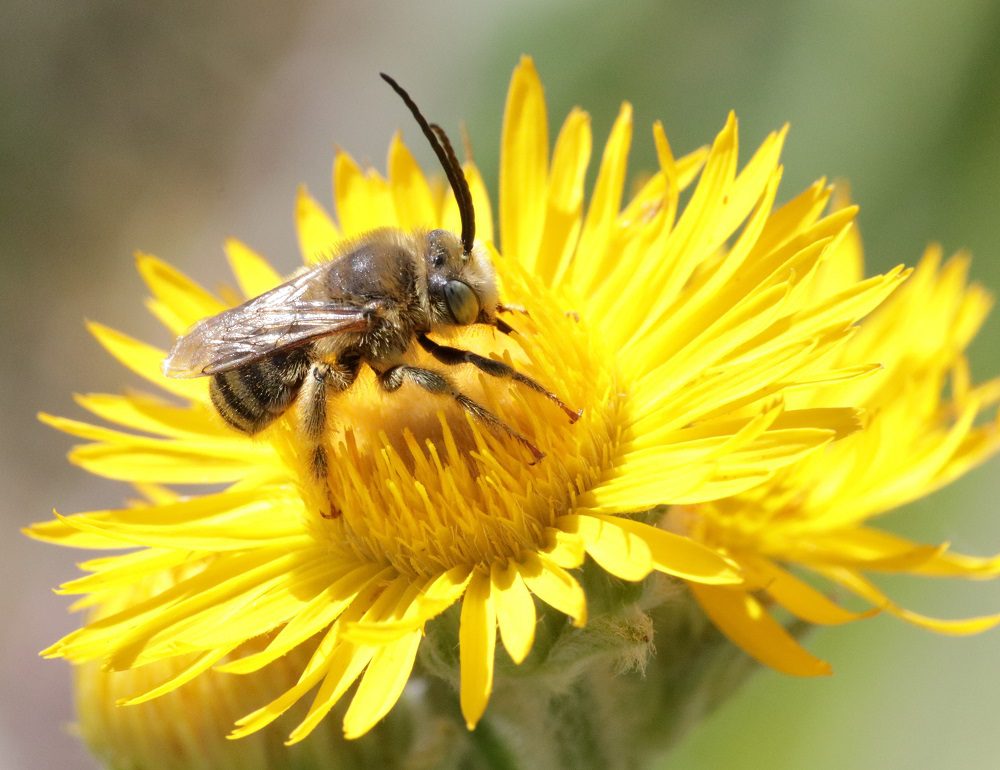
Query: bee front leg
437	383
313	397
501	325
453	356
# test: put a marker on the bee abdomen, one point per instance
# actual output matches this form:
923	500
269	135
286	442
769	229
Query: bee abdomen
252	396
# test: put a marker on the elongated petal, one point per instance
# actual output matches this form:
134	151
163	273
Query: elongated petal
605	202
564	204
381	685
554	586
623	553
797	596
867	590
410	191
742	618
254	274
477	642
515	611
147	361
523	166
363	200
318	235
184	298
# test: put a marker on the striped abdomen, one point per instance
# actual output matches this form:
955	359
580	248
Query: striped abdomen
251	397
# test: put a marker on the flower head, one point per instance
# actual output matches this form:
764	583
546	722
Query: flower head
681	332
925	425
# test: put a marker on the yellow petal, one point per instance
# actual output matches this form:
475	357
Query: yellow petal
382	684
58	532
683	249
347	661
266	714
564	203
318	613
170	462
867	590
318	235
477	642
565	548
147	361
181	295
864	548
200	664
343	667
151	415
622	553
440	593
554	586
364	202
218	537
678	555
254	274
742	618
524	151
131	628
515	611
797	596
605	203
412	195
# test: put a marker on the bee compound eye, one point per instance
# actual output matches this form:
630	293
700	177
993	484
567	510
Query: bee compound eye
462	302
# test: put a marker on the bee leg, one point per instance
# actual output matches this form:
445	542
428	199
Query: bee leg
321	378
501	325
434	382
454	356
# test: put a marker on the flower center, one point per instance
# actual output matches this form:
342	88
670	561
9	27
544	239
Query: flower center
421	484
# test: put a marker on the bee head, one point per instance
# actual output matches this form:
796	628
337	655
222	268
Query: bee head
461	286
461	283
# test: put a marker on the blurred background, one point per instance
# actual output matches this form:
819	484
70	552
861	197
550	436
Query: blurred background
123	129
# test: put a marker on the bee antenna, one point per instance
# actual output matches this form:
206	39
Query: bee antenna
465	201
452	168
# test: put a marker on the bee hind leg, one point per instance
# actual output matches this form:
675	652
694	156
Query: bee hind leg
454	356
437	383
320	380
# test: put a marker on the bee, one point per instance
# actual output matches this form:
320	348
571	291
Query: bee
308	338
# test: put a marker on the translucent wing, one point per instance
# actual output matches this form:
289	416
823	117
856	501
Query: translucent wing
281	318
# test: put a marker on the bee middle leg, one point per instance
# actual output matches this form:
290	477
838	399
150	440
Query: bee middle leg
437	383
320	380
454	356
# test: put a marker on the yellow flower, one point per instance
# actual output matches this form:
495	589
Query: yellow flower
924	427
183	729
677	330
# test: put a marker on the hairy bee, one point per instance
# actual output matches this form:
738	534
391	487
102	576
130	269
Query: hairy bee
309	337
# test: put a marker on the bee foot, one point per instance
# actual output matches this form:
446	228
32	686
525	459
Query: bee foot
573	414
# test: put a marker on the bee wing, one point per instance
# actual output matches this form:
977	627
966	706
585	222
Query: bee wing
278	319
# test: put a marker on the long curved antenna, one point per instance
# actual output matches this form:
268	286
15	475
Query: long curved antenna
452	168
465	202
